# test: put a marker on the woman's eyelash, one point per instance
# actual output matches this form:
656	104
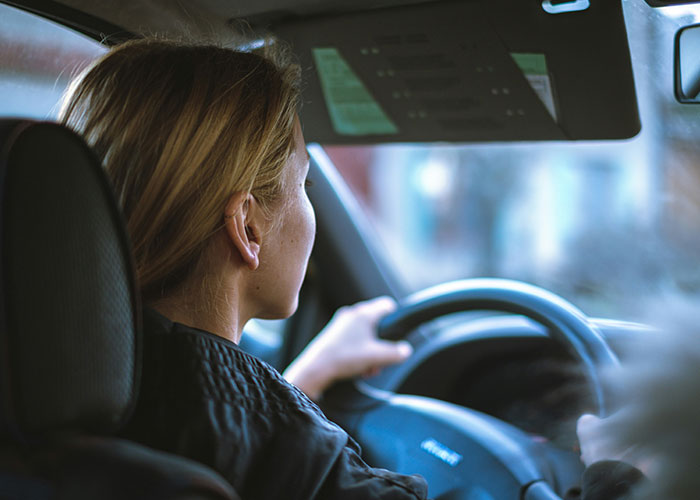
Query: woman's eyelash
308	183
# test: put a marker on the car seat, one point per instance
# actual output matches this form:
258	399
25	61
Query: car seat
69	333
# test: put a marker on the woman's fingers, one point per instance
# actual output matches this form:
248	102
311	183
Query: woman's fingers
347	347
380	353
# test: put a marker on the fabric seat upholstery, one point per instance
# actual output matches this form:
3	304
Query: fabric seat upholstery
69	332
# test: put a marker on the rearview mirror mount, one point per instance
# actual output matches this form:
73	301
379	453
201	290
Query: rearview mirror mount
687	65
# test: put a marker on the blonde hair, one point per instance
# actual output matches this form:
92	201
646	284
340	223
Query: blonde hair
179	129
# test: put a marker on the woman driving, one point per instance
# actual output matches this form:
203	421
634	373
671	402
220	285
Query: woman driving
206	155
205	151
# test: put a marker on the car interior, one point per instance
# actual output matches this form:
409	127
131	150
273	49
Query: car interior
414	111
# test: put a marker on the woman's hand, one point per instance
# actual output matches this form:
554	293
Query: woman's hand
347	347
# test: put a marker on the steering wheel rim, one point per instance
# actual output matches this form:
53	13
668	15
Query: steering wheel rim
374	416
567	324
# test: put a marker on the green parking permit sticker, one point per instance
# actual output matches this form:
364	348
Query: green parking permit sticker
530	64
534	67
352	108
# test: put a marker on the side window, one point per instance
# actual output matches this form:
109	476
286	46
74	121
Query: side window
37	61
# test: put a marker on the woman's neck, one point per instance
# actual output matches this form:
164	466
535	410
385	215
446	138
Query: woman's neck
213	297
214	310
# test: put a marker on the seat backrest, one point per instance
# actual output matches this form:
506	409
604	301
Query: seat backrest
68	328
69	331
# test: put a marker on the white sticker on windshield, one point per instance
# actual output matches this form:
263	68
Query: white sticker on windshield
534	67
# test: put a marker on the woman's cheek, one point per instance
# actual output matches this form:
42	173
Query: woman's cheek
311	217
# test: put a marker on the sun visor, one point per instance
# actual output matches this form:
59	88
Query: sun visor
497	70
666	3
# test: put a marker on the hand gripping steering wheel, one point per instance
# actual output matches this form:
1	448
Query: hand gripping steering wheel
464	454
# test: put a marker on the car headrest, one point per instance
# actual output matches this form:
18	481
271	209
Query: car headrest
69	324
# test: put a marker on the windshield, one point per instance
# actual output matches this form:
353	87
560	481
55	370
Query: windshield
608	225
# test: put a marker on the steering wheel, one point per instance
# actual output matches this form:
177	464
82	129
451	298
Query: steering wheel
462	453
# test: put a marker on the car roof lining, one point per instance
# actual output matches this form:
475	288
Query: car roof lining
211	18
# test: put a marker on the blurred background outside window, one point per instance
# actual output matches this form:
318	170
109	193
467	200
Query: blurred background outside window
37	61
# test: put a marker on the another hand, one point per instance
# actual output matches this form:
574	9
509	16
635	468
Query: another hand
347	347
594	440
597	438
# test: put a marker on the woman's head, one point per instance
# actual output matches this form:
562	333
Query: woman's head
180	129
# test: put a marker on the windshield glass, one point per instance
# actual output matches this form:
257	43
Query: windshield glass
608	225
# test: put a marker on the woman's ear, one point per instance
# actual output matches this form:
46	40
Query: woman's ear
243	219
